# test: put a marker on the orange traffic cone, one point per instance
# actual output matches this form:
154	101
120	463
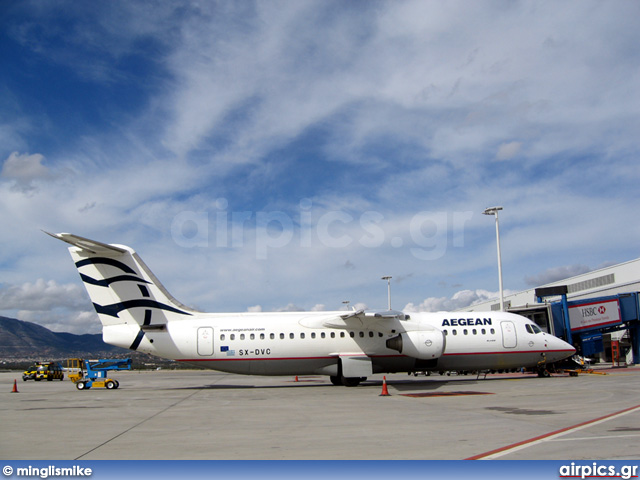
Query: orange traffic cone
15	387
385	392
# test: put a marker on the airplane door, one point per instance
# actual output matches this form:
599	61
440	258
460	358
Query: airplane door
205	341
509	338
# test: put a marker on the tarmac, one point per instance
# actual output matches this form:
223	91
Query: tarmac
188	415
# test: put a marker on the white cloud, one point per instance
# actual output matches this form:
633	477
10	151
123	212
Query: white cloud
556	273
371	109
42	295
24	169
70	321
507	151
291	307
459	300
61	308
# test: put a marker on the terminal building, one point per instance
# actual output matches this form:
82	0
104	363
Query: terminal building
597	312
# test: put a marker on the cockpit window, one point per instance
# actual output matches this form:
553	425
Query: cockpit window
533	328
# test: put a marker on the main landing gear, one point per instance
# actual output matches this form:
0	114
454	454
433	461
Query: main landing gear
543	372
346	381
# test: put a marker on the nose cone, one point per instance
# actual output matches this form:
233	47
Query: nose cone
558	349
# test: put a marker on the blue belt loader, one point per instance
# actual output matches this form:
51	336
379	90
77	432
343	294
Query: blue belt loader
93	373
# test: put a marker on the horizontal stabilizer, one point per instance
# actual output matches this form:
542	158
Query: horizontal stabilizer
90	246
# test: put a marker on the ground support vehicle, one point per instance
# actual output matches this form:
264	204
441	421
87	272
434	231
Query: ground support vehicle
43	371
93	373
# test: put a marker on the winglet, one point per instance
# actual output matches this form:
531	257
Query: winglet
91	246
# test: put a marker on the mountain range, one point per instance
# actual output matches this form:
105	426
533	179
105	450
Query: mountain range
21	340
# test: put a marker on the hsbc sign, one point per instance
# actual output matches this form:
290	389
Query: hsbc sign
594	315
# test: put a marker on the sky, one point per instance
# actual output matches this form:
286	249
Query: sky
286	155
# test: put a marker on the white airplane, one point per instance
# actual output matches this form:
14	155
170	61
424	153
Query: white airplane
138	313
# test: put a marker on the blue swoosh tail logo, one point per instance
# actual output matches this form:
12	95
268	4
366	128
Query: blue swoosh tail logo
115	308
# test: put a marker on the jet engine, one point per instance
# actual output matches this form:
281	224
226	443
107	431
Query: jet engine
423	344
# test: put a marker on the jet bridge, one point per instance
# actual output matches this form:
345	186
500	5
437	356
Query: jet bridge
585	322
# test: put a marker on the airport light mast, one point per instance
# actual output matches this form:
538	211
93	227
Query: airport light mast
388	279
494	211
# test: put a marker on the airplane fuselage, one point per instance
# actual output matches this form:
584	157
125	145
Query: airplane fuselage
283	344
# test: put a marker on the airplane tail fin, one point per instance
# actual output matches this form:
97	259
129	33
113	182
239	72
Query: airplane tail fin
122	288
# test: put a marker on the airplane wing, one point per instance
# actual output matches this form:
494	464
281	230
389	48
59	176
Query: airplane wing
391	314
348	320
355	319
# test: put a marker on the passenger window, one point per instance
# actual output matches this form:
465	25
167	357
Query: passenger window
475	332
361	334
242	336
282	336
484	331
446	332
313	334
232	336
302	335
466	332
371	334
252	337
333	334
291	336
222	336
493	331
380	334
351	334
322	335
341	334
272	336
262	336
455	332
